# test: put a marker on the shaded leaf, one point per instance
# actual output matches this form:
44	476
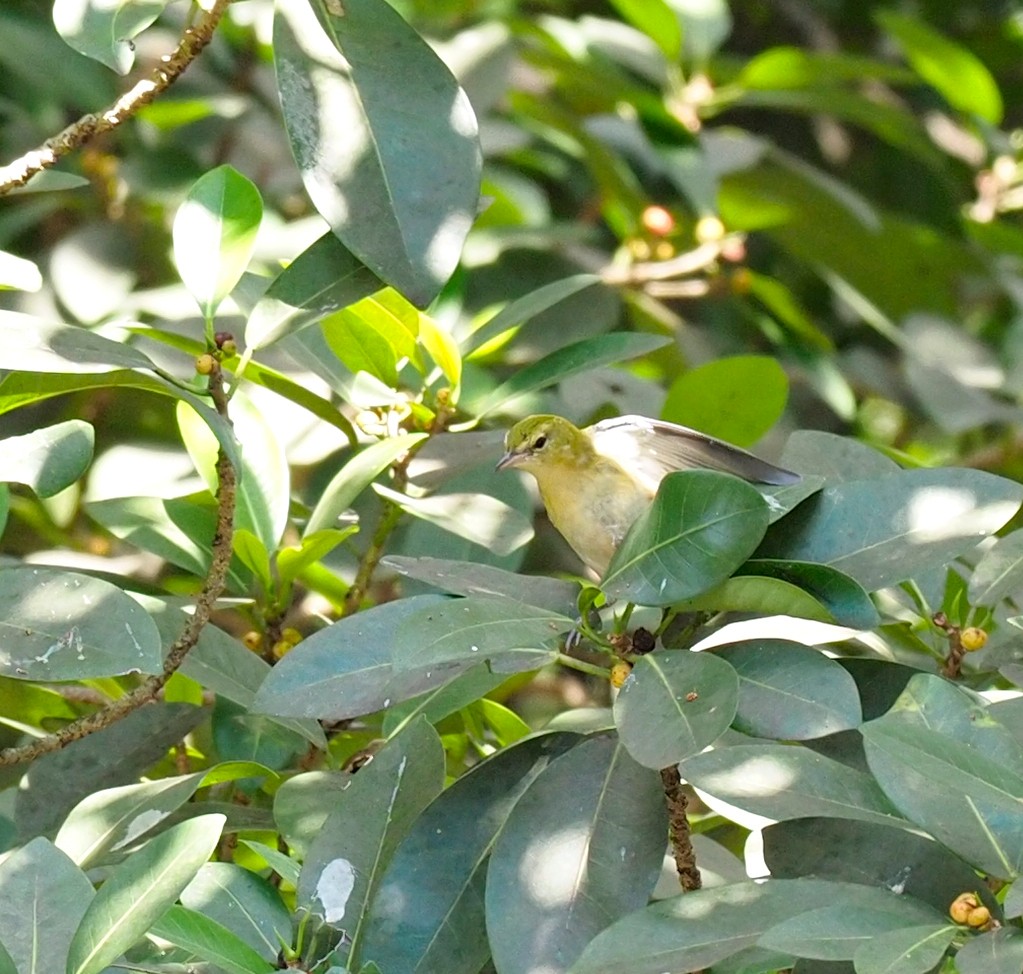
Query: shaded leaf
47	460
999	572
208	940
674	704
905	950
996	952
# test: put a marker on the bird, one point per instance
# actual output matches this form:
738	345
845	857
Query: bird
595	482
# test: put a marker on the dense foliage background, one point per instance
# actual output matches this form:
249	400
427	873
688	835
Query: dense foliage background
304	290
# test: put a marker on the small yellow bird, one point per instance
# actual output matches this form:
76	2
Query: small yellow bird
596	481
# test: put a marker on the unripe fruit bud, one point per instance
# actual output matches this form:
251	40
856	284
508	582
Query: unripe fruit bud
978	917
204	364
664	250
962	906
972	639
253	640
657	221
620	673
281	648
230	347
291	635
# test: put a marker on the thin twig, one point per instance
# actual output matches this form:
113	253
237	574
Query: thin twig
678	829
213	585
194	39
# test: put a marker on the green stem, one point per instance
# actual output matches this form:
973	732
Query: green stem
582	666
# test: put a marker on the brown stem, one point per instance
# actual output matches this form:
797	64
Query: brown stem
678	829
194	39
213	585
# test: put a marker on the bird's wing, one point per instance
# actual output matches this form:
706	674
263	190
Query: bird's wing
649	449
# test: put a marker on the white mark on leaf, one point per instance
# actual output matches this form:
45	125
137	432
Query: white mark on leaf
335	885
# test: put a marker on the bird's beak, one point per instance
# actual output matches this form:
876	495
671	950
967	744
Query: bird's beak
510	459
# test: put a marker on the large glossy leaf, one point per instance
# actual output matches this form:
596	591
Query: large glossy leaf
428	914
325	277
763	596
961	780
66	626
139	891
591	353
46	896
953	70
692	932
674	704
999	572
469	578
348	669
207	939
103	30
789	691
401	197
885	530
996	952
355	476
344	865
700	528
837	458
781	782
49	459
214	234
582	847
716	398
511	635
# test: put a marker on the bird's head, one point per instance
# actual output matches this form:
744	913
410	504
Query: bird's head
539	441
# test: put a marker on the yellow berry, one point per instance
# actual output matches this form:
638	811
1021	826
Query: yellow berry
664	250
253	640
709	229
291	635
620	673
972	639
962	906
205	364
281	648
979	916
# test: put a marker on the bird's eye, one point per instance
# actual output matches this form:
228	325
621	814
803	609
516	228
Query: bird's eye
539	443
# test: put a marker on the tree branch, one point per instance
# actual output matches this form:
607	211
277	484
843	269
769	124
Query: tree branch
194	39
213	585
678	830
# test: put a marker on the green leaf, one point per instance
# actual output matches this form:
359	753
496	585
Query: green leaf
657	20
285	867
793	67
47	897
33	345
584	356
19	274
718	398
764	596
788	691
347	669
355	476
905	950
264	477
214	235
958	74
870	854
103	30
884	531
432	920
940	780
140	891
295	559
443	349
49	459
781	782
845	600
581	848
995	952
244	903
400	197
674	704
344	865
839	459
253	555
324	278
461	691
206	939
479	518
511	635
836	931
59	625
526	307
700	528
706	25
999	572
470	578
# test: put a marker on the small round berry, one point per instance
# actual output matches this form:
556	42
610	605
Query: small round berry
291	635
281	648
709	229
664	250
205	364
620	673
657	221
972	639
979	916
962	906
230	347
253	640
